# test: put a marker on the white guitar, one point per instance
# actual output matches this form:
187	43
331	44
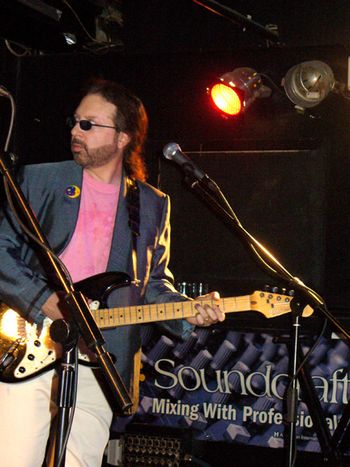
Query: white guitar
27	349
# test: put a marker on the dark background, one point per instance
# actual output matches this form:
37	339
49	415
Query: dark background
285	174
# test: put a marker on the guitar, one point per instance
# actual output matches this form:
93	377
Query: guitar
27	349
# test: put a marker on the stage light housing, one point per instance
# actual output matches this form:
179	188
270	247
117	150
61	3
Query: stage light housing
308	83
236	90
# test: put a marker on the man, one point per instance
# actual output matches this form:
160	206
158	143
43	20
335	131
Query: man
98	215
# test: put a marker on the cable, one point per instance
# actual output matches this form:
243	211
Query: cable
101	47
27	51
5	93
79	21
83	26
274	85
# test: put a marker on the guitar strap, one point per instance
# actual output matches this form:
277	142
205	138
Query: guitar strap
133	205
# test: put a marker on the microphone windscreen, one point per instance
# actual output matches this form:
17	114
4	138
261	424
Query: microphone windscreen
170	149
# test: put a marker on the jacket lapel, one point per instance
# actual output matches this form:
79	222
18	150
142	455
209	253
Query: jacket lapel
120	255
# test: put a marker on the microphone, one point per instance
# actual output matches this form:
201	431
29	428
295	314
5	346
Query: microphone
172	151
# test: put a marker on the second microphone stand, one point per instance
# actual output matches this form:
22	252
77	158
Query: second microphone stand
210	192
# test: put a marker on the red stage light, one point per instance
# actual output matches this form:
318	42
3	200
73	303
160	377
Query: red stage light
236	90
226	99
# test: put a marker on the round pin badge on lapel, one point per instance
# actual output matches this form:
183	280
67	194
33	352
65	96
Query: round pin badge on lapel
72	191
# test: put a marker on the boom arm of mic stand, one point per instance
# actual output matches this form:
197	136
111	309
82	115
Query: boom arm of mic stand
269	262
80	310
235	16
211	193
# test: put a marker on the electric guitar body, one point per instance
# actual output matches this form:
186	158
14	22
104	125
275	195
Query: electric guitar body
27	349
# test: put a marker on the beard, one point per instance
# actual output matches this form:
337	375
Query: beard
97	157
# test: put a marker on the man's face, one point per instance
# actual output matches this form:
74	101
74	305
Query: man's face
98	146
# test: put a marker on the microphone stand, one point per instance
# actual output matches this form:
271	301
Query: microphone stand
211	193
236	17
82	323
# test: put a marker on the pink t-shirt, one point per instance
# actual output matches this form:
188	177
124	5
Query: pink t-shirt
88	251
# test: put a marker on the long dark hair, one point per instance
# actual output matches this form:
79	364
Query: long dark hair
131	118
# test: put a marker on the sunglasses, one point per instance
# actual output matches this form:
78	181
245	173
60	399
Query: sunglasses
85	125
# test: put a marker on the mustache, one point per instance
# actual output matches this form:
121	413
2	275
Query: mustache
77	141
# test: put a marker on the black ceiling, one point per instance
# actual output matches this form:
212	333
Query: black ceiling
173	25
42	24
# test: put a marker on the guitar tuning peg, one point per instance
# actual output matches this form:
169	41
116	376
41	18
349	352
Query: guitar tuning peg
291	293
284	291
275	289
267	288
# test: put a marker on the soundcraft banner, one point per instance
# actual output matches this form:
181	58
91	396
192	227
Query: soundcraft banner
229	386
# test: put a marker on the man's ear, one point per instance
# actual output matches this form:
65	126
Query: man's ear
123	140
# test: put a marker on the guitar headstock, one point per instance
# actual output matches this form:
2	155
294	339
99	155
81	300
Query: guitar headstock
273	304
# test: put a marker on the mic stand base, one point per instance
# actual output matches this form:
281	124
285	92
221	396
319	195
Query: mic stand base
67	335
331	456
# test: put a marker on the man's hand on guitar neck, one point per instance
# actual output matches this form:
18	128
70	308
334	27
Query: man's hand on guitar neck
208	313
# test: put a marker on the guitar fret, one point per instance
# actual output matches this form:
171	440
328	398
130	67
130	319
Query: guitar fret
160	311
176	311
232	304
106	317
139	315
145	313
121	315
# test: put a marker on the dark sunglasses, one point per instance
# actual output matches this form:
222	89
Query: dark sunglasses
85	125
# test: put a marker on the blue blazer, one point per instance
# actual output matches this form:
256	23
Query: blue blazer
52	190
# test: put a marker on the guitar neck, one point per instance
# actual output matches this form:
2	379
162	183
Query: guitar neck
121	316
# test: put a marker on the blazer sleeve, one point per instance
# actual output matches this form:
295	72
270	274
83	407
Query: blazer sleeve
160	288
21	287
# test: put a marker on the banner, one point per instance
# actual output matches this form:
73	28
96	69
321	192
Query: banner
225	385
